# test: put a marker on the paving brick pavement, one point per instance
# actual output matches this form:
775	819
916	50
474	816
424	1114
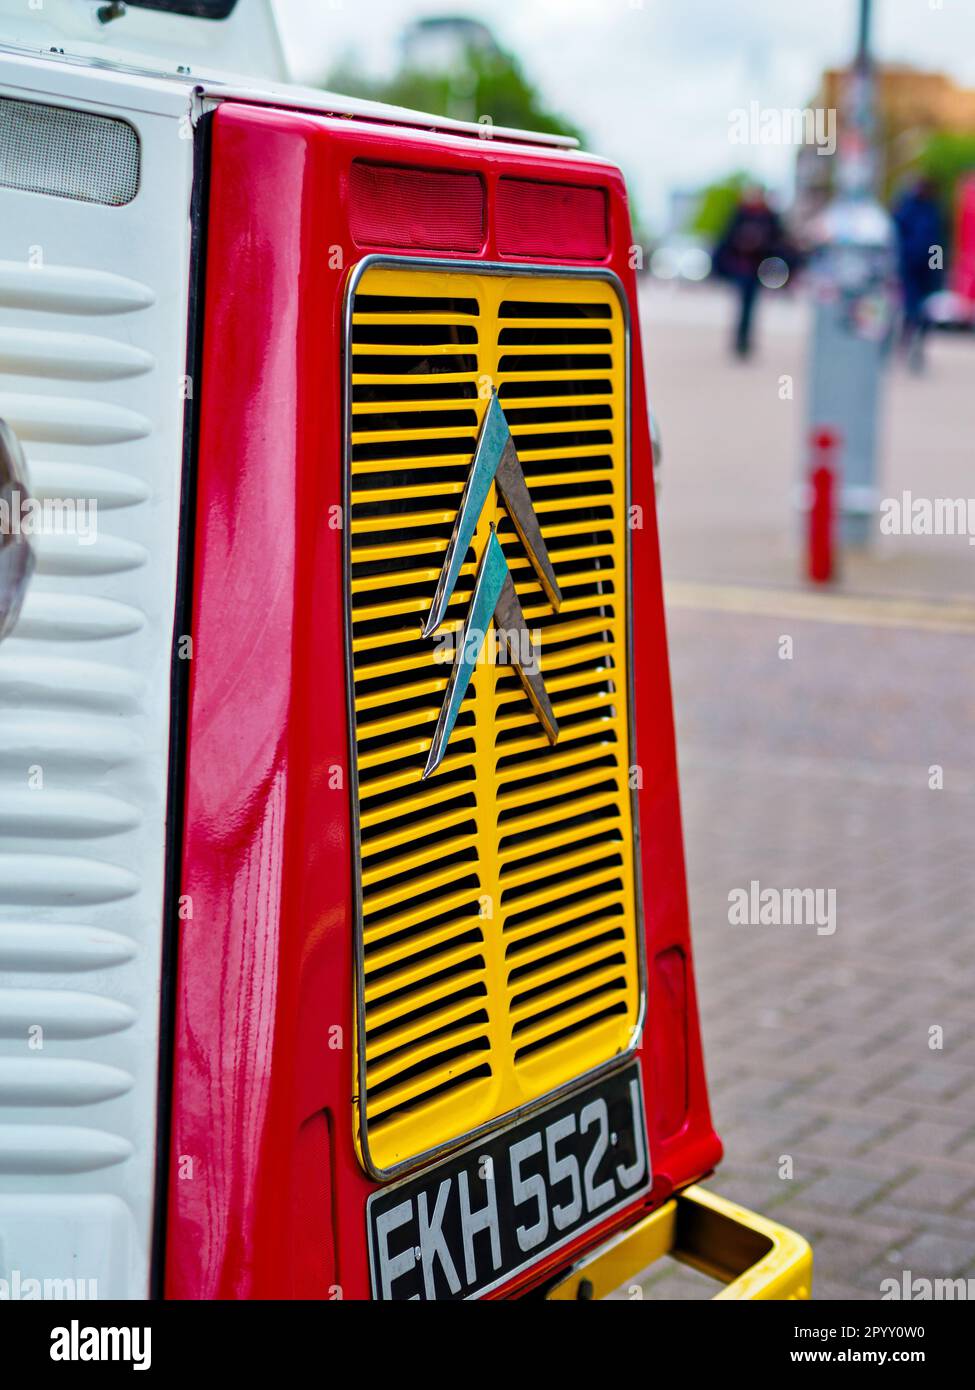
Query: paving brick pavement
814	773
819	1045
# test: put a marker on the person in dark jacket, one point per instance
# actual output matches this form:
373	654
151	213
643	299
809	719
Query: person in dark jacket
753	234
917	219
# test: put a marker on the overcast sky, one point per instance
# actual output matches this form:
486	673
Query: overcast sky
652	82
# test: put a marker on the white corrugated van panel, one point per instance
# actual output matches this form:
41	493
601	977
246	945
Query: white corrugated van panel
93	314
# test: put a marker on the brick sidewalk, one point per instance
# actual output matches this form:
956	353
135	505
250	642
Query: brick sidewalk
814	773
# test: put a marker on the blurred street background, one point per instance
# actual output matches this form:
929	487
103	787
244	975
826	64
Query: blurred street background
815	771
825	728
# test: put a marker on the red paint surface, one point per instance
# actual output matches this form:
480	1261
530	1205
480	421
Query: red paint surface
266	1197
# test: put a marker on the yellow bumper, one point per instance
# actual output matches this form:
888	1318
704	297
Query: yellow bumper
751	1256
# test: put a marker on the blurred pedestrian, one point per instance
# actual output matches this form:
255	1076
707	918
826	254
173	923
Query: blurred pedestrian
753	235
917	219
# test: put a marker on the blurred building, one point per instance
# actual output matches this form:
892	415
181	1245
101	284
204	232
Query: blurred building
910	100
912	106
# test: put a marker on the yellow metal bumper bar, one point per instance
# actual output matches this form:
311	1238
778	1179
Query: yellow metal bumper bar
753	1257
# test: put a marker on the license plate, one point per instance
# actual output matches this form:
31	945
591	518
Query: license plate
464	1227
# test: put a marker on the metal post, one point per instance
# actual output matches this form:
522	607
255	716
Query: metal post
853	282
862	60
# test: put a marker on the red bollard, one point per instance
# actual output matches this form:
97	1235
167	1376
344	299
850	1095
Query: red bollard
822	479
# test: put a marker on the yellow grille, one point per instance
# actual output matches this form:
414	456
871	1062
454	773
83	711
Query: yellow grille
499	941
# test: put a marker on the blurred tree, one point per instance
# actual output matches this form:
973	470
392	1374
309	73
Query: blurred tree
717	202
482	85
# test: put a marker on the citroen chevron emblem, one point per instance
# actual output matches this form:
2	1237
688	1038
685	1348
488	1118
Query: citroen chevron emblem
495	461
